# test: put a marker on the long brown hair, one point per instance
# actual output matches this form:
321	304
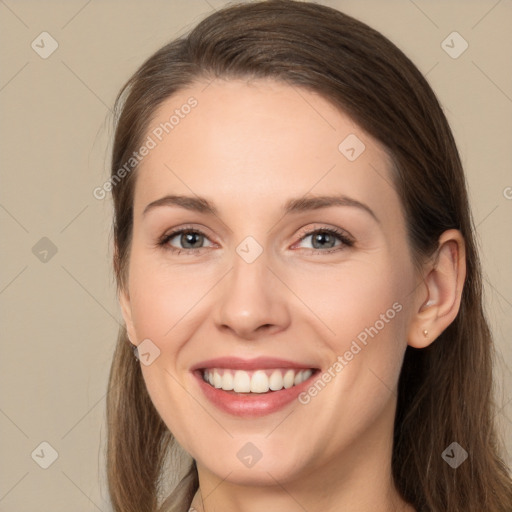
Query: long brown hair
445	390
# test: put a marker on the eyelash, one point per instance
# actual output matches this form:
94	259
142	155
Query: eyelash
163	242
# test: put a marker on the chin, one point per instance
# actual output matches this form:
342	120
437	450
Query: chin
256	461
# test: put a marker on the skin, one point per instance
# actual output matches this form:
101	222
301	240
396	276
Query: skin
248	147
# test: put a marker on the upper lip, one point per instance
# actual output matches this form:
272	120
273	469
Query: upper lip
258	363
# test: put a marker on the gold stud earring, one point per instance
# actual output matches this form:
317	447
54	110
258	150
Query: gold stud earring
425	333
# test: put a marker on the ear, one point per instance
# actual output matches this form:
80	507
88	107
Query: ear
444	281
124	302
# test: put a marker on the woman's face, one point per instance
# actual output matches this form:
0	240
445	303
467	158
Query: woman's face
294	265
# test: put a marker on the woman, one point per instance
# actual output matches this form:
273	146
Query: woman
297	272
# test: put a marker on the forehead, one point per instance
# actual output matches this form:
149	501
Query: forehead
249	142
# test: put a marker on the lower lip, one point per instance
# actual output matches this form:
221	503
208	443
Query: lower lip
251	404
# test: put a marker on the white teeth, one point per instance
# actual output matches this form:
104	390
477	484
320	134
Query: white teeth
241	382
227	381
259	381
288	379
276	381
217	379
306	374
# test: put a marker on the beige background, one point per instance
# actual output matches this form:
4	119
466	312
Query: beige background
60	317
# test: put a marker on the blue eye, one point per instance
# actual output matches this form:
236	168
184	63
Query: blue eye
192	240
327	237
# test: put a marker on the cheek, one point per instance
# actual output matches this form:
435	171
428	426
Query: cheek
363	311
360	299
166	305
164	298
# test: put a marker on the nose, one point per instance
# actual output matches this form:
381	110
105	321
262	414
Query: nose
253	302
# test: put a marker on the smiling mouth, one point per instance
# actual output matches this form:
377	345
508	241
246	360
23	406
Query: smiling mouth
258	381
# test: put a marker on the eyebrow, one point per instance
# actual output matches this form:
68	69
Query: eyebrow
294	205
